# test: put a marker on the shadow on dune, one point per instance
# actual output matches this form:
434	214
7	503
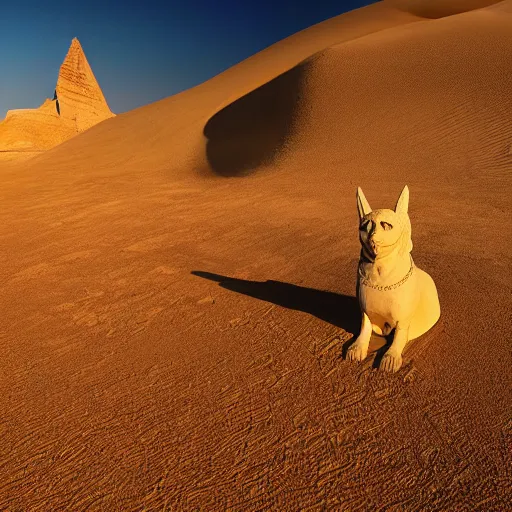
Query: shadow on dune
252	130
339	310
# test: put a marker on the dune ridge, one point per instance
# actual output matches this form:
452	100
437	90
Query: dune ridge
192	109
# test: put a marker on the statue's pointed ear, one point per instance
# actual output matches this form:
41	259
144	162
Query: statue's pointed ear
363	207
402	205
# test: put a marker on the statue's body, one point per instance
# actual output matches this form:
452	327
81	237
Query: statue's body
393	293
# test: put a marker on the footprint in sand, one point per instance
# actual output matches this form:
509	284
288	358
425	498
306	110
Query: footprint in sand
148	244
33	271
164	269
143	319
206	300
77	255
86	319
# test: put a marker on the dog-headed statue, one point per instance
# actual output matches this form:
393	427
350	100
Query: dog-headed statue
394	294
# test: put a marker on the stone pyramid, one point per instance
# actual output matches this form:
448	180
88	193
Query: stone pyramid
78	103
78	94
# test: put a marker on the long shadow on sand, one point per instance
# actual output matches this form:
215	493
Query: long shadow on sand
339	310
252	130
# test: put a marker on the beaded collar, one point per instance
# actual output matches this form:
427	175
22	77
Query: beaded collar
366	282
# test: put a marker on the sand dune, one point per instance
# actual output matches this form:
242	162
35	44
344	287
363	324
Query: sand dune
400	107
440	8
190	110
178	284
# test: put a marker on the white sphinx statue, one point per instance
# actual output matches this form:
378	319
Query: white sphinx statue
393	293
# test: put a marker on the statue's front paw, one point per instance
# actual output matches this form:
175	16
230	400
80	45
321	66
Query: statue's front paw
391	362
357	352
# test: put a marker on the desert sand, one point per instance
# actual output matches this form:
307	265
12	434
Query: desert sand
178	283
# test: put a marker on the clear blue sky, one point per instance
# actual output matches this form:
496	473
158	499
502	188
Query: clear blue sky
141	51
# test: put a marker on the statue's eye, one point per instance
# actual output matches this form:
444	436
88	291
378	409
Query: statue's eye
386	226
367	225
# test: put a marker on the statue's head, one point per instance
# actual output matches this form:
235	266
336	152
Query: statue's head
383	231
